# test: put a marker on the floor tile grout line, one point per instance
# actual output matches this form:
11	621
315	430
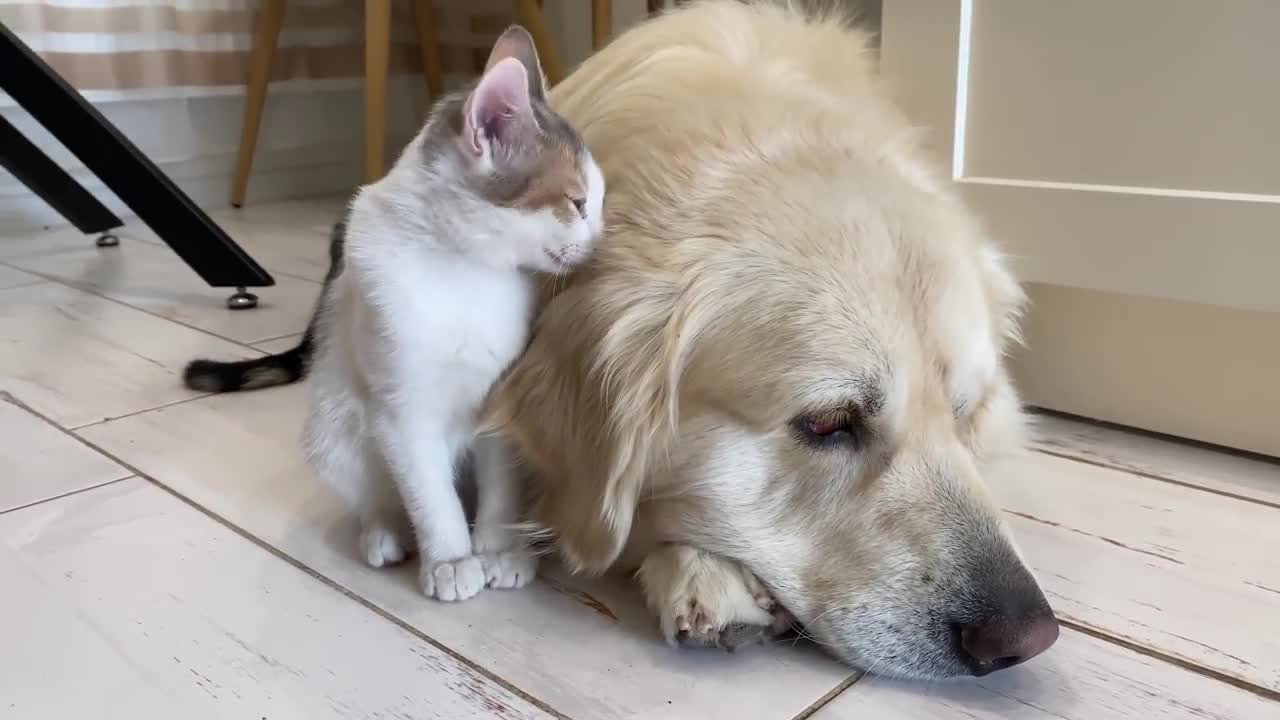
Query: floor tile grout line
7	262
153	239
69	493
133	413
830	695
294	276
1155	476
268	547
36	279
282	337
1261	691
90	291
1137	648
41	276
266	264
348	593
9	399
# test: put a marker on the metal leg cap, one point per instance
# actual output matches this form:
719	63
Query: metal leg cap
242	300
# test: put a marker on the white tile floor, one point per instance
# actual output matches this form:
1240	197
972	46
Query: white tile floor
165	554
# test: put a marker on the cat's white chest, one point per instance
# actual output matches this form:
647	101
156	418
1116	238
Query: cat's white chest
465	317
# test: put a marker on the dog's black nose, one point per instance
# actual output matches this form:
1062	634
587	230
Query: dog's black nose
1010	620
999	643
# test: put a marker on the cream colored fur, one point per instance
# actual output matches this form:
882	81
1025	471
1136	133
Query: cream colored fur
776	244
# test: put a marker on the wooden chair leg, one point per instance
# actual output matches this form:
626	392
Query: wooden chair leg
432	68
530	15
266	33
377	58
601	22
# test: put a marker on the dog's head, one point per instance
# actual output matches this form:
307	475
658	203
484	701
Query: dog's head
787	350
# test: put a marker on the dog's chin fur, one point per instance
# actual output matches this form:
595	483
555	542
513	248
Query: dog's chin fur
776	247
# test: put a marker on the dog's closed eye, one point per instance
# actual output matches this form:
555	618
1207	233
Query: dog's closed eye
838	428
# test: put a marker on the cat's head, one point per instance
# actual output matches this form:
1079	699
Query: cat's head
525	158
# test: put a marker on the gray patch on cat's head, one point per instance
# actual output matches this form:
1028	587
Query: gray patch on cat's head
551	172
540	164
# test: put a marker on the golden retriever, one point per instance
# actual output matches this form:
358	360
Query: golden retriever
781	376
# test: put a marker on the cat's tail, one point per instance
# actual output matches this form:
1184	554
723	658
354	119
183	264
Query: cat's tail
214	376
290	366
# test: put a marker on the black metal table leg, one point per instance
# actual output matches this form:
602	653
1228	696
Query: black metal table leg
107	153
55	186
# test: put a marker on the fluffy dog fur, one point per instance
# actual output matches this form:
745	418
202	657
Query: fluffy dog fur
777	247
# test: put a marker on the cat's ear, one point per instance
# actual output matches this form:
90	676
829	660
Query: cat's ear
516	42
498	110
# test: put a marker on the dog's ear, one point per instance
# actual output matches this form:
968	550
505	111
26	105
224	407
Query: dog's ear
590	405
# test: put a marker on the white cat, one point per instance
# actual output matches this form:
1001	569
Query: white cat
429	302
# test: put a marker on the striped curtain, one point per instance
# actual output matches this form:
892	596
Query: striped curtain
123	49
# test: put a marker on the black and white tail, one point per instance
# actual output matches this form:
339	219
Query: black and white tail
216	376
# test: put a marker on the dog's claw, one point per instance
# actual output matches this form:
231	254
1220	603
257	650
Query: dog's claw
732	636
703	600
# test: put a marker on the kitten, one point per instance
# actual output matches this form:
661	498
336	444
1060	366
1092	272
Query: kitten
430	299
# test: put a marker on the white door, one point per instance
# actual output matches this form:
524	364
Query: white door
1127	154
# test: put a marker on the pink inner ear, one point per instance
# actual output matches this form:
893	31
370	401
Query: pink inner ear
516	42
501	97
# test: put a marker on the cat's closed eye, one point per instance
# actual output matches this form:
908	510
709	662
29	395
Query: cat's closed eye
580	204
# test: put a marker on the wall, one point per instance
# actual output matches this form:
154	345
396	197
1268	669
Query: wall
312	136
311	143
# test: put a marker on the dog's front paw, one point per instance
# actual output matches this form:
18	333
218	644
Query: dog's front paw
705	600
452	580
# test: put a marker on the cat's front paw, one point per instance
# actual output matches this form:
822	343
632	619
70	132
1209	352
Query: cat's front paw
452	580
508	561
381	545
509	569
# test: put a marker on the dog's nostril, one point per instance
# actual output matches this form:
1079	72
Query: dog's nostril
996	644
983	667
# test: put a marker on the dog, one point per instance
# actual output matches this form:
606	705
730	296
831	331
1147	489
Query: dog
780	381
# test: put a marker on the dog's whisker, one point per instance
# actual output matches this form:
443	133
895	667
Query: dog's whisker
824	613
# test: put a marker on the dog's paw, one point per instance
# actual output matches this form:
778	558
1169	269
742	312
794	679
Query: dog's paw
452	580
735	635
381	545
703	600
509	569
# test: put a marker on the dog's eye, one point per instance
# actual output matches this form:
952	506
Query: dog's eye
824	427
828	429
580	204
